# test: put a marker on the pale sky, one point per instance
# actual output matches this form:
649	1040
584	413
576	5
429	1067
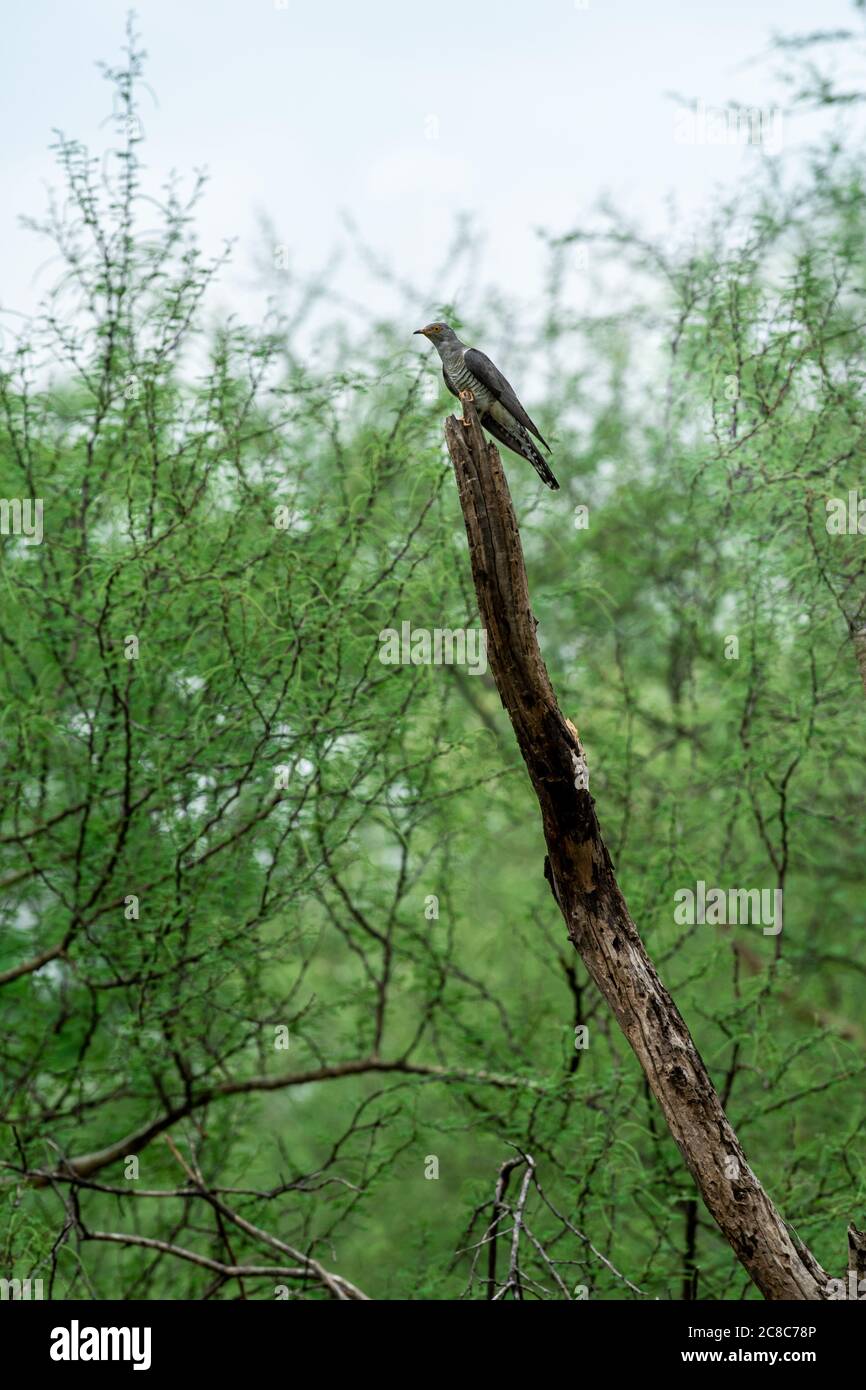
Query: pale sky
403	115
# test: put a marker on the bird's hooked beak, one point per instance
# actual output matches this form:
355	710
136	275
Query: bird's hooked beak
422	331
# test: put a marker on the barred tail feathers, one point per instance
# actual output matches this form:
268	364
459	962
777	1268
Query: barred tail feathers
520	442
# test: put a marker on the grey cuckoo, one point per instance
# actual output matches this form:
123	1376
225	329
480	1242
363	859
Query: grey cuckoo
499	410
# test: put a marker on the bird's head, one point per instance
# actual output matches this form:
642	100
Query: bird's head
437	332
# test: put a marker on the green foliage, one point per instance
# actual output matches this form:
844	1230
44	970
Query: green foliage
223	816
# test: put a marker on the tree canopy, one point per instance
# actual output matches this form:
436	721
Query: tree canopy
278	955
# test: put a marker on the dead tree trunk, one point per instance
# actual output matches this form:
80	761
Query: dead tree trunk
581	877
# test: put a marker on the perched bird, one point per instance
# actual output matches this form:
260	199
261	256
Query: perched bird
499	410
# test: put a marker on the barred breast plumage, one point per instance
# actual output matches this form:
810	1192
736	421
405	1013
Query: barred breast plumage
499	410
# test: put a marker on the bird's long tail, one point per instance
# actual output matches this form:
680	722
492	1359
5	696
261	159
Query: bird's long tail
540	464
523	445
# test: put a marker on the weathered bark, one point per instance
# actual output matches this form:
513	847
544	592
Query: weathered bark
581	876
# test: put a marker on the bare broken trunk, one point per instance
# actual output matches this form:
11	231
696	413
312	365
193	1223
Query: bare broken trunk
581	876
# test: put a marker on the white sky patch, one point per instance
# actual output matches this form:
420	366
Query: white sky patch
189	685
81	723
382	105
23	918
348	745
418	173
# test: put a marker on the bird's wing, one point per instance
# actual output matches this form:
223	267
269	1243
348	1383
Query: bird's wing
449	383
490	376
